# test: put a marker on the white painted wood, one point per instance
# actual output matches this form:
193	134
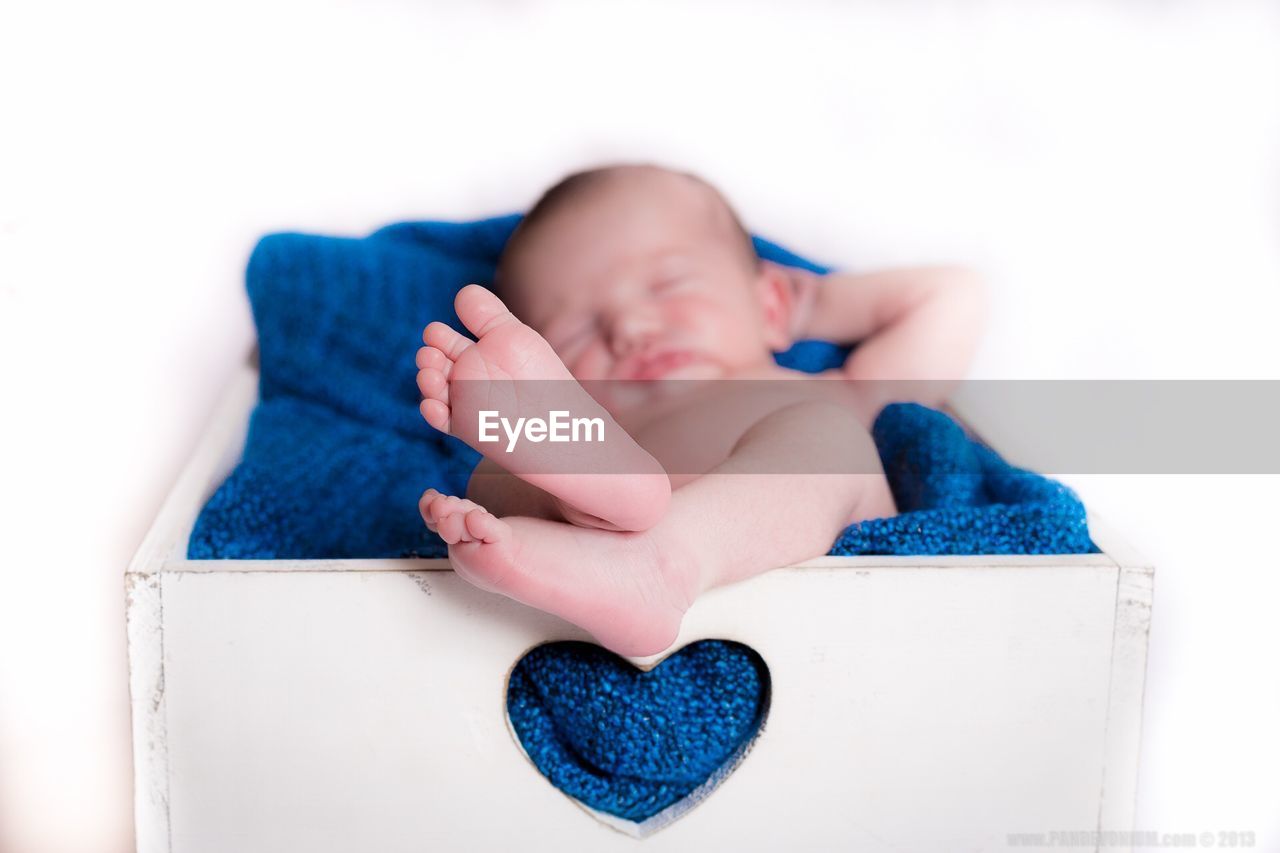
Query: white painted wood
145	620
1134	590
932	709
919	704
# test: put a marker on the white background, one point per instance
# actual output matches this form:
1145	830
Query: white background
1112	168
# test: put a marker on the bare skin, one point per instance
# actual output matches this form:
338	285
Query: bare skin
641	283
631	588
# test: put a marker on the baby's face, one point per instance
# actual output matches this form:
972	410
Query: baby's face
643	279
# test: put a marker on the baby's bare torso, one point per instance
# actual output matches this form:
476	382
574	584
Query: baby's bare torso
691	426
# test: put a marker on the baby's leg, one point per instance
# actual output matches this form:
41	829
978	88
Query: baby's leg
511	370
630	590
504	494
742	518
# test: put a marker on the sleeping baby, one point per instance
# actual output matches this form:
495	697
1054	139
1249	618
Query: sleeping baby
621	300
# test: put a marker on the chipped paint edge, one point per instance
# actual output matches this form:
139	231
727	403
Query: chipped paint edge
144	615
1126	693
1126	686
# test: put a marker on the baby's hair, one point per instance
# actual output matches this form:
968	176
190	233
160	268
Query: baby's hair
577	184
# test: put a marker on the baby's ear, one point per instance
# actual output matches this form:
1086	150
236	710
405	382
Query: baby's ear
777	303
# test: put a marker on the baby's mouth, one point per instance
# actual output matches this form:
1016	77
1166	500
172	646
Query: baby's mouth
658	365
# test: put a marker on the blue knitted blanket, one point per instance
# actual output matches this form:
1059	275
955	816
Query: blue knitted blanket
337	456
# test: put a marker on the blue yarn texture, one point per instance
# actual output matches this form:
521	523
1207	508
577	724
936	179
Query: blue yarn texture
633	743
337	455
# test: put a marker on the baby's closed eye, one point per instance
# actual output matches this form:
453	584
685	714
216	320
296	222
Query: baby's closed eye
670	283
578	336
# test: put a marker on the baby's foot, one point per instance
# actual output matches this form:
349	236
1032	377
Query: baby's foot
624	589
512	370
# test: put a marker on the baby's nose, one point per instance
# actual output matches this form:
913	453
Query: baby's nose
632	330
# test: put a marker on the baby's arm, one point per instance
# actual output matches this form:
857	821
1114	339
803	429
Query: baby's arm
913	324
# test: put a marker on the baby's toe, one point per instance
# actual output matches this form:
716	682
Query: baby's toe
453	529
428	499
432	385
445	339
438	509
485	527
430	357
447	505
436	413
454	505
480	310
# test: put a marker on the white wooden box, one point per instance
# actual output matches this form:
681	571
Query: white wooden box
917	704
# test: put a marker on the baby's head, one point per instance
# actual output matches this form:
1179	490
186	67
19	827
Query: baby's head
638	272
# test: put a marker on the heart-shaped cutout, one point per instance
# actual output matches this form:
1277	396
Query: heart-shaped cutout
638	748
